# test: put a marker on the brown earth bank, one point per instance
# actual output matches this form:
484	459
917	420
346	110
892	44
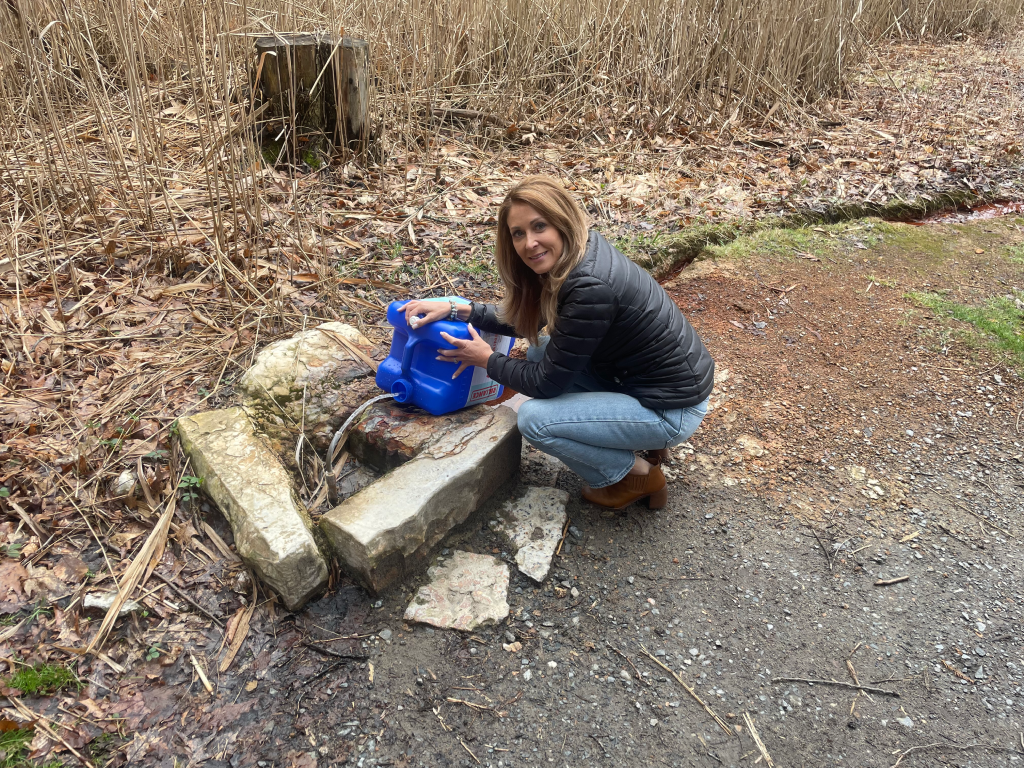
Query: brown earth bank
858	438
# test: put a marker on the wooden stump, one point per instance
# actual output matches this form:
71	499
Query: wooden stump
318	86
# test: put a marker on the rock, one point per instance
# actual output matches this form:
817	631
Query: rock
750	446
527	675
906	722
510	637
387	530
553	664
124	484
309	379
574	593
512	647
467	592
625	676
391	435
533	524
385	635
979	673
100	602
273	533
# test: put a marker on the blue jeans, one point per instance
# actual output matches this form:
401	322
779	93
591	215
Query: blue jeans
594	431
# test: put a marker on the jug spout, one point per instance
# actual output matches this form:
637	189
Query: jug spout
402	389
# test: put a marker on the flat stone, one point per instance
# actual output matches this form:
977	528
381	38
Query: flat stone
273	532
467	592
387	530
310	380
101	602
390	434
533	524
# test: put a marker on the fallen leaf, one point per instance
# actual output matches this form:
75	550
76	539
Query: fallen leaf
251	685
70	568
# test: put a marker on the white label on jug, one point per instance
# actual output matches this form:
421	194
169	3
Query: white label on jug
483	388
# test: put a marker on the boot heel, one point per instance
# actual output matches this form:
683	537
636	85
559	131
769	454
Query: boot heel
658	499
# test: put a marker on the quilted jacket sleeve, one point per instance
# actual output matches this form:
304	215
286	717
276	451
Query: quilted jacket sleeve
588	309
484	317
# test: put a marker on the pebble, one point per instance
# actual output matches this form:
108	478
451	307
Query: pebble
553	664
510	637
385	635
694	652
979	673
629	579
575	532
906	722
527	675
625	676
660	652
979	651
654	721
574	592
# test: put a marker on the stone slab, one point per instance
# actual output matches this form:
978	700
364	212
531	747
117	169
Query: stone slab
466	592
308	380
273	532
390	434
533	523
387	530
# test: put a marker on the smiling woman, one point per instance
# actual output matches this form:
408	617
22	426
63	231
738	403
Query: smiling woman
613	369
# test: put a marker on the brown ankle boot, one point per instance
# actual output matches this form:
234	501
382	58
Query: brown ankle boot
657	456
631	488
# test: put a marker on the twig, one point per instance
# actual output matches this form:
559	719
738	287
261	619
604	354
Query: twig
631	664
957	747
180	593
561	541
837	684
335	654
890	582
689	690
463	743
757	740
41	722
202	675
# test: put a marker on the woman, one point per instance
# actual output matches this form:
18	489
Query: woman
621	369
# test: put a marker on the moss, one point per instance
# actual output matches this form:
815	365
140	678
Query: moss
1016	253
686	246
44	679
1000	320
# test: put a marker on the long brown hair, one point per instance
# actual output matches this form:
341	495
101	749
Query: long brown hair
531	300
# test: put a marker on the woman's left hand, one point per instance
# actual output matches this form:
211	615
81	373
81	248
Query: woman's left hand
474	351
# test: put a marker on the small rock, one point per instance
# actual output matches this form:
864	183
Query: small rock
469	591
694	652
124	484
510	637
981	626
906	722
101	601
626	676
629	579
979	673
512	647
660	652
979	651
654	720
527	675
575	593
575	532
385	635
553	664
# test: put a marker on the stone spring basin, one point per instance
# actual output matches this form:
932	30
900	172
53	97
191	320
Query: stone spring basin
437	470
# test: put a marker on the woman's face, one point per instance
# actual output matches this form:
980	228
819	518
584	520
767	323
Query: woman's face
538	243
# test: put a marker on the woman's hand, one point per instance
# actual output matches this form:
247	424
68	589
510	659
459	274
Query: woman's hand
419	312
475	351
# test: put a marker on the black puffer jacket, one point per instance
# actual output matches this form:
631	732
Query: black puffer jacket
615	322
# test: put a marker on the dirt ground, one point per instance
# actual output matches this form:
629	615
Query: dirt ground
857	438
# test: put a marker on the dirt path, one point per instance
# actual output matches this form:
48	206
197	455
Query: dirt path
845	449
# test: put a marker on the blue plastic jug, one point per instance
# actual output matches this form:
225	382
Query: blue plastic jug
413	375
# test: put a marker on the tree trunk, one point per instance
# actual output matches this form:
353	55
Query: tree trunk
318	87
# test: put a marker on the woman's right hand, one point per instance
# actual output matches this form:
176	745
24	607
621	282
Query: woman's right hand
419	312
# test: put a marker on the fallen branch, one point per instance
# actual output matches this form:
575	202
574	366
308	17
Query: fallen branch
689	690
836	684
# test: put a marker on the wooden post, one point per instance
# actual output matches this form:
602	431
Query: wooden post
319	88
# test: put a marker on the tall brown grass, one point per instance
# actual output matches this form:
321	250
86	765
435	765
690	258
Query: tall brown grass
128	118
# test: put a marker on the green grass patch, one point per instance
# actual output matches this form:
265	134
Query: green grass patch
44	679
1000	321
1017	254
